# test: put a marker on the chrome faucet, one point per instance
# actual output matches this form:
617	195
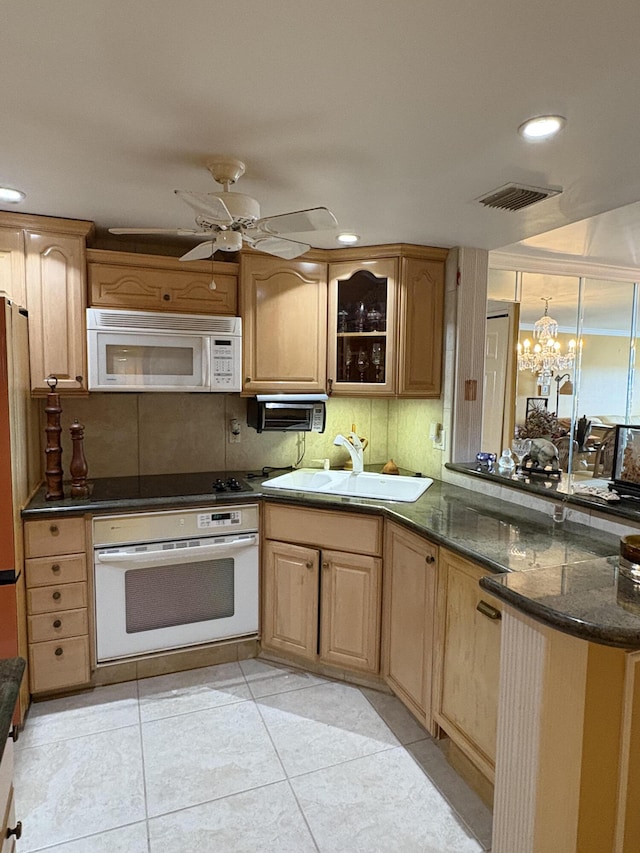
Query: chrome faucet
355	448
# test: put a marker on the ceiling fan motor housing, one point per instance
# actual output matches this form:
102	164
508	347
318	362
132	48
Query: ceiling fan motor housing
229	241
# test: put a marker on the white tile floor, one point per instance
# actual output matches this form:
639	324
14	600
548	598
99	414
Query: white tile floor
234	758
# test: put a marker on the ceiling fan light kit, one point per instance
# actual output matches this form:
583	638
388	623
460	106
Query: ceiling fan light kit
228	219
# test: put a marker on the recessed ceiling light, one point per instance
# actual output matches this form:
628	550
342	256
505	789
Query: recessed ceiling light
541	127
348	238
10	196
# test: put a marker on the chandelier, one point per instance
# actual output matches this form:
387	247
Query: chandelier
546	357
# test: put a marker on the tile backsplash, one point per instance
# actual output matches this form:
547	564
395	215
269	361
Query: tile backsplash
132	434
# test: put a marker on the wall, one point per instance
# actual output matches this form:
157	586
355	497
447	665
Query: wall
136	434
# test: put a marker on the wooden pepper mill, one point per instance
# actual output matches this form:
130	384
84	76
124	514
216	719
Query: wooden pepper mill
78	467
53	450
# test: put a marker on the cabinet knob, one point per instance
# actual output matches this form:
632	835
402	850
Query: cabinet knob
54	529
79	379
166	297
14	733
247	379
488	610
17	830
325	565
429	559
57	595
309	564
58	652
57	623
55	568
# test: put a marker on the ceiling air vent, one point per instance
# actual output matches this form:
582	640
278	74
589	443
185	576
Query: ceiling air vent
517	196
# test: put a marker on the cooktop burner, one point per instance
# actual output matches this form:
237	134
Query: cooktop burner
170	486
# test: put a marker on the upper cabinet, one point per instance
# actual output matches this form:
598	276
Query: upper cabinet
56	299
284	312
158	283
12	282
386	323
362	323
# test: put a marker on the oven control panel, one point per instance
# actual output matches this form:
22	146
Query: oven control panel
219	519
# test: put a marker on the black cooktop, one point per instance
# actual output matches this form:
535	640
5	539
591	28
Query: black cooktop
212	483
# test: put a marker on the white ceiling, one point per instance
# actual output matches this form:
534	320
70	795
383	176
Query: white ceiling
396	114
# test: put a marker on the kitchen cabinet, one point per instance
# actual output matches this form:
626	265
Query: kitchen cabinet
467	661
284	314
56	300
12	277
11	829
322	586
157	283
57	612
385	323
408	620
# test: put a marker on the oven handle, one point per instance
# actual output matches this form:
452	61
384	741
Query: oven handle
175	555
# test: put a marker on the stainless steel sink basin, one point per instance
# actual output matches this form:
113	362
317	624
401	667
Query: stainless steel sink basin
347	484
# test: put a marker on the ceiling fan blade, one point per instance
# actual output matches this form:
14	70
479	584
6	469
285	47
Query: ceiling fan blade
200	252
297	221
179	231
279	247
207	204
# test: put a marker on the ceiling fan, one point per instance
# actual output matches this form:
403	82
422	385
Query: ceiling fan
227	219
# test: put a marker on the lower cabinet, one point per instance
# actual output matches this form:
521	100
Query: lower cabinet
321	603
468	661
409	596
57	613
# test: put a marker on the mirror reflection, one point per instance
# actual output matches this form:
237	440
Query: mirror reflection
560	367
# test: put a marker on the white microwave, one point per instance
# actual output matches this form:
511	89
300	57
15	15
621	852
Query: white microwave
154	351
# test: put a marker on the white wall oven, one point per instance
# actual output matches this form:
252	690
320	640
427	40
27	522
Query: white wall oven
152	351
168	580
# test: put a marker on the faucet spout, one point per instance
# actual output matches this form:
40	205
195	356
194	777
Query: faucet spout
356	451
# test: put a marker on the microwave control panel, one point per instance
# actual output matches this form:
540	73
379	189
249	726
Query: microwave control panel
225	363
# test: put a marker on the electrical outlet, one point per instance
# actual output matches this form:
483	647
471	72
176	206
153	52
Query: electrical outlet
235	433
441	441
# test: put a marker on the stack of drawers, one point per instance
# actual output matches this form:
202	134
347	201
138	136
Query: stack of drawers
56	579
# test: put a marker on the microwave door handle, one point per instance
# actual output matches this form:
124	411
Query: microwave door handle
174	555
207	365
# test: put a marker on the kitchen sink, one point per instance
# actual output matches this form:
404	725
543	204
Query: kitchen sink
385	487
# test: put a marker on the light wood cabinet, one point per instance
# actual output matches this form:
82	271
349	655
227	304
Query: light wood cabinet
284	314
408	627
468	660
56	300
385	327
57	604
158	283
11	828
12	278
330	615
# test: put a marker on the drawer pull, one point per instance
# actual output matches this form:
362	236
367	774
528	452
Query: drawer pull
57	623
14	733
488	610
55	568
17	831
57	595
58	652
309	564
54	530
430	559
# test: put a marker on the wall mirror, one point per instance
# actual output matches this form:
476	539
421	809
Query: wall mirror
582	371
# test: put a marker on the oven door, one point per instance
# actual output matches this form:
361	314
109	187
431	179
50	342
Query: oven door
170	595
121	361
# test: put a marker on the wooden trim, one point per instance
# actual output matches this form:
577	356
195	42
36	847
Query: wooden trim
161	262
48	224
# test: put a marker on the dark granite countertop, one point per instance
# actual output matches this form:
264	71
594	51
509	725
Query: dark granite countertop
11	672
497	534
590	600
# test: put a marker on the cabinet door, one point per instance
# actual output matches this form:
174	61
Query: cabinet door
468	660
350	610
157	283
12	282
409	617
362	327
290	599
56	298
421	328
284	313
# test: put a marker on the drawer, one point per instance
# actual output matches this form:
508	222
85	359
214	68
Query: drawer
54	536
339	531
58	625
9	844
46	599
49	571
6	779
58	664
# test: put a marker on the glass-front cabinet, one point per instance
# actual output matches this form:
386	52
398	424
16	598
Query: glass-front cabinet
362	327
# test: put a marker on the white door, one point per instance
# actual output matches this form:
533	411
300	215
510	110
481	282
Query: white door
498	398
